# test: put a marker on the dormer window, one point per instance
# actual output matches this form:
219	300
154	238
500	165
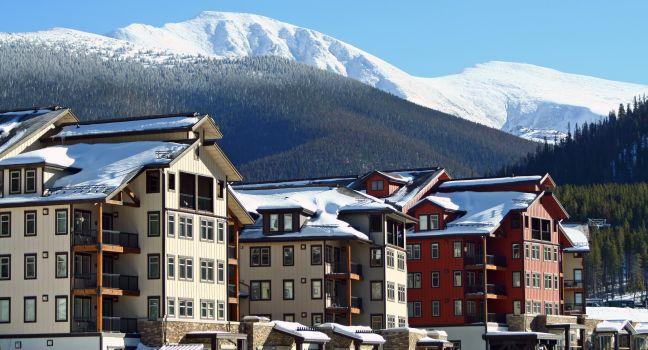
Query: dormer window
30	181
14	181
428	222
278	222
377	185
288	222
274	222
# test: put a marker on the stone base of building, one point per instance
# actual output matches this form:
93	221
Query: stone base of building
158	333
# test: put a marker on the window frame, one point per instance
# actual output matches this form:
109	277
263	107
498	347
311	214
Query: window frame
149	215
291	249
209	266
373	297
8	278
372	261
321	288
457	302
171	181
35	189
8	216
66	222
188	306
150	273
185	269
519	279
375	183
31	298
516	251
432	279
171	304
438	308
148	307
208	302
26	213
413	248
290	282
455	282
171	268
56	262
434	218
205	229
417	283
151	186
12	190
30	255
260	250
8	300
434	247
56	308
261	283
454	249
171	224
314	315
313	248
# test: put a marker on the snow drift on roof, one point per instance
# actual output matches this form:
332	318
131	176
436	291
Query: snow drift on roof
361	333
577	236
127	126
299	330
95	176
333	181
611	326
617	313
416	181
15	126
489	181
483	211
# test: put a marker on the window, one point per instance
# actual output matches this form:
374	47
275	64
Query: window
5	310
259	256
548	281
289	317
289	289
260	290
547	253
5	224
221	310
153	181
457	308
185	268
537	306
456	249
578	298
170	267
220	232
535	252
548	308
376	257
30	181
401	262
517	279
527	276
206	193
5	267
30	266
423	223
206	230
61	221
172	182
516	251
556	282
171	307
316	289
517	307
171	225
30	223
61	269
185	307
377	185
376	290
153	223
14	181
187	191
536	280
317	319
316	255
527	253
435	279
555	253
274	222
29	309
153	266
391	321
414	309
414	251
434	250
470	278
288	222
376	223
61	302
390	258
578	275
288	255
220	271
376	322
206	270
186	227
434	222
436	308
207	309
471	308
391	291
401	293
414	280
456	278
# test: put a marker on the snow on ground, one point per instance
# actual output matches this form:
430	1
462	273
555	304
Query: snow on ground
617	313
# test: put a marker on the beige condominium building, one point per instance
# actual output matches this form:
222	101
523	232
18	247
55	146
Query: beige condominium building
575	240
123	226
322	252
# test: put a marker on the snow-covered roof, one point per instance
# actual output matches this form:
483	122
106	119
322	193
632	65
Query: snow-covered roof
141	346
309	335
363	334
325	202
489	181
16	125
617	313
328	181
576	235
612	326
641	328
482	211
514	334
428	341
89	176
135	125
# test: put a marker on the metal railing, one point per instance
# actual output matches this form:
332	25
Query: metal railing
492	317
491	259
84	325
125	239
341	267
120	324
342	302
205	203
110	280
573	283
187	201
497	289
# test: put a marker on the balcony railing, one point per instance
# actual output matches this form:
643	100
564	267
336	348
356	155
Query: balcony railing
496	289
571	308
491	259
84	325
573	283
342	302
232	252
125	239
120	324
110	280
205	203
341	267
231	291
492	317
356	302
187	201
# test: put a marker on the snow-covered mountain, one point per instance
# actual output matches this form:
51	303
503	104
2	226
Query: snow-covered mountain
523	99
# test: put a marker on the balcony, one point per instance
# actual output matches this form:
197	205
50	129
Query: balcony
341	305
113	284
232	255
493	291
110	324
493	262
573	309
340	270
114	241
479	318
573	284
231	294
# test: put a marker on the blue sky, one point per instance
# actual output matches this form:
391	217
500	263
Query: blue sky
425	38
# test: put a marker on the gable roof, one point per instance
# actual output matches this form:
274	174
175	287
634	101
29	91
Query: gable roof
577	235
363	334
489	181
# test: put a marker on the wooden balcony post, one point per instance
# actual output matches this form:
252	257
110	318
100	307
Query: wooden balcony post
349	297
99	268
236	274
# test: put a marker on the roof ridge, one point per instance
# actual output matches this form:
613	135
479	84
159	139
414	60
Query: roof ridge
134	118
35	108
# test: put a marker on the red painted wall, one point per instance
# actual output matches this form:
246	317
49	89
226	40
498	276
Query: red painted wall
388	187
